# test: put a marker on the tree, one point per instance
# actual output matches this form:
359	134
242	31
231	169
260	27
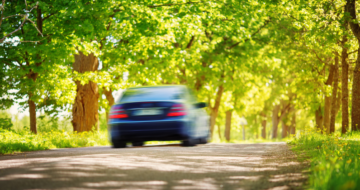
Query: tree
334	94
38	54
85	108
344	83
355	28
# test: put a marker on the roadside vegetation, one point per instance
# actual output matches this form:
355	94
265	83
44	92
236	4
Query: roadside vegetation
15	136
334	159
22	141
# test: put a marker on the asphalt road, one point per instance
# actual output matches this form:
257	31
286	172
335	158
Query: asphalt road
211	166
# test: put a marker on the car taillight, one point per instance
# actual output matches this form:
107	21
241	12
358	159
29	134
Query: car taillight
117	112
177	110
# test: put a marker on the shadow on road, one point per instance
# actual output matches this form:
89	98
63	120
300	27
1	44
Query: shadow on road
212	166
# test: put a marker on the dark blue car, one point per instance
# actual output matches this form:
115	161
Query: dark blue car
158	113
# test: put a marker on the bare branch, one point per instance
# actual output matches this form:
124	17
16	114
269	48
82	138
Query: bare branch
35	27
25	17
22	24
24	41
36	6
2	7
22	15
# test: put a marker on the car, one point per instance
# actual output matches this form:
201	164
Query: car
158	113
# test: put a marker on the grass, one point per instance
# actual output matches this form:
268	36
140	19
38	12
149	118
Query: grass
335	159
22	140
14	142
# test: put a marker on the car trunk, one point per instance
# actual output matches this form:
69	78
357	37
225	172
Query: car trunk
147	110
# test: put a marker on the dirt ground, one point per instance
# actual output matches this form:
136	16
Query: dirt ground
212	166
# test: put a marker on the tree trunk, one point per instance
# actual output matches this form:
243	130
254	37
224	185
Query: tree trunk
243	129
355	113
32	114
86	105
110	99
344	85
355	27
228	125
33	76
182	76
219	132
327	107
285	129
338	100
293	123
263	124
200	81
319	118
32	106
215	109
334	98
275	121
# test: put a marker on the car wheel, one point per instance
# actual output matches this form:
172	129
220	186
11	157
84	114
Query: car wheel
138	143
119	144
188	142
203	140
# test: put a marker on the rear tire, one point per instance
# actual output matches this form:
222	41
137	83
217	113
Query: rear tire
203	140
119	144
138	143
188	142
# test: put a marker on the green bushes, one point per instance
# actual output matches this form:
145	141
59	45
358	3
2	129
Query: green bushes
11	142
5	123
335	159
53	132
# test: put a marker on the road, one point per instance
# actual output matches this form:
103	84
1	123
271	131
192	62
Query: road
210	166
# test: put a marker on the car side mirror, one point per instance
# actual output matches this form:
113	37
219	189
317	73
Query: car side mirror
200	105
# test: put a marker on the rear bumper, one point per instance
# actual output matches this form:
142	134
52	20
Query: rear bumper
168	129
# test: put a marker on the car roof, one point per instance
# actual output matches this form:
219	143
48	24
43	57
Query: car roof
159	86
165	89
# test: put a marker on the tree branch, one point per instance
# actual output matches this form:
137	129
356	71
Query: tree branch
22	15
350	7
208	35
48	16
24	41
284	110
25	16
21	25
253	34
190	42
173	4
317	56
10	64
352	52
2	8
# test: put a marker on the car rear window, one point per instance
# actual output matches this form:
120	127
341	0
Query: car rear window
152	94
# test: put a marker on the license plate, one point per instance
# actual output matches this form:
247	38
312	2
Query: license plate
147	112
